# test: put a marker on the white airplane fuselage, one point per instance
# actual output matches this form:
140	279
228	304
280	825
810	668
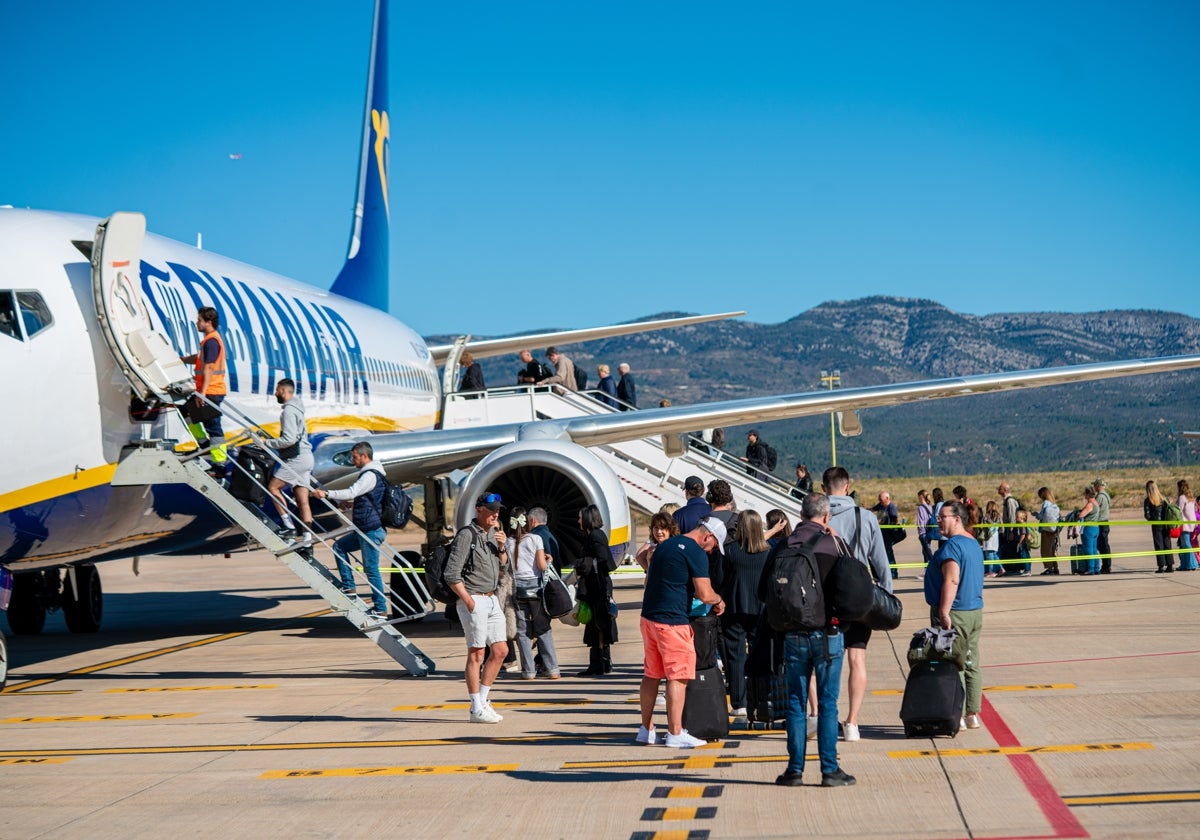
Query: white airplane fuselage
356	368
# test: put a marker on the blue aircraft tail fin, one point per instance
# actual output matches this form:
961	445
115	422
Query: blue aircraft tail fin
364	277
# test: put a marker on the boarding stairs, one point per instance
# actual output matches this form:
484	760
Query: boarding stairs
651	477
151	461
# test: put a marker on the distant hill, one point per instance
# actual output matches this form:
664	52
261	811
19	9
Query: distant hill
877	340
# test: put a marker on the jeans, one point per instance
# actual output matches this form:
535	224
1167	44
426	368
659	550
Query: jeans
370	562
1187	560
806	653
1090	534
531	612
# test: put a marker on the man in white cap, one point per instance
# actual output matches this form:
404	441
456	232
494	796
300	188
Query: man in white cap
679	573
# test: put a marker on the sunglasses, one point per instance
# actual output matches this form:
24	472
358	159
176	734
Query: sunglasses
491	498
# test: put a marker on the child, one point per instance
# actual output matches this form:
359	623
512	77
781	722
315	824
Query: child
989	538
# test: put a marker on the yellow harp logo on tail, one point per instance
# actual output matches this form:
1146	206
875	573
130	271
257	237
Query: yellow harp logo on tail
380	121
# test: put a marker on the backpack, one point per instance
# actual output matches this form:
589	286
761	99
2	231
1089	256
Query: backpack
397	505
795	600
544	371
580	379
772	456
1173	513
435	569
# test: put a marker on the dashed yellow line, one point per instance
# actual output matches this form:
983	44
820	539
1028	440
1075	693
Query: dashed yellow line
95	718
186	688
34	760
678	814
1053	748
691	761
420	770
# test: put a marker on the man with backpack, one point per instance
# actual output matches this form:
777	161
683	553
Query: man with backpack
862	533
757	455
366	495
792	585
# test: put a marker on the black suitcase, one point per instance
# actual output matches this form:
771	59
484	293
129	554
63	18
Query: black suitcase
706	630
705	709
766	700
933	700
252	463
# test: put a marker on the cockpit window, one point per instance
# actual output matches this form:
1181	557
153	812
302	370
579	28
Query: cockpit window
25	310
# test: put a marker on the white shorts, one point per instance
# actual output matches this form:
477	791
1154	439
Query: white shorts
485	626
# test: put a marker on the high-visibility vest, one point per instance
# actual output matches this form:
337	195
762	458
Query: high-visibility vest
216	382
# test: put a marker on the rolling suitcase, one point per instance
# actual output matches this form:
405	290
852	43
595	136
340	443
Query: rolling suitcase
705	710
254	464
933	700
1078	567
766	700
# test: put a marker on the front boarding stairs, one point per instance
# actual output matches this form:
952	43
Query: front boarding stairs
155	462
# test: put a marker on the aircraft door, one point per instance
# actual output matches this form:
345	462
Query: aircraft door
151	365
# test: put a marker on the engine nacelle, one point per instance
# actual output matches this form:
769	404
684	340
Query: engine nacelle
561	477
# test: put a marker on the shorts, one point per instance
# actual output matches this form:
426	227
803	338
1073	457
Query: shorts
297	471
669	650
485	626
856	635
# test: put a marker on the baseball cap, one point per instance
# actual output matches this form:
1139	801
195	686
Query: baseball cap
694	484
491	501
717	528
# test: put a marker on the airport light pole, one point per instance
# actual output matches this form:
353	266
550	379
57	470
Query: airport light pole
832	380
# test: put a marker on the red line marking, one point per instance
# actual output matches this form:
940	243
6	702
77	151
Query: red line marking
1048	799
120	263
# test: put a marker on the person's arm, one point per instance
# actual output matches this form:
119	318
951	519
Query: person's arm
365	483
706	594
949	591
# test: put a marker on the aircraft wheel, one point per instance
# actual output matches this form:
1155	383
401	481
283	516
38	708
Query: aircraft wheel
3	662
83	610
26	610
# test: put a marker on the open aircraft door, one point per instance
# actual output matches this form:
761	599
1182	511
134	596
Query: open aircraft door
152	366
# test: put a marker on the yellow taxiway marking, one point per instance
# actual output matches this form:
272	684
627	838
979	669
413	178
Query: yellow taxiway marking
1053	748
679	813
882	692
185	688
1133	798
688	762
20	688
424	770
688	792
94	718
34	760
514	704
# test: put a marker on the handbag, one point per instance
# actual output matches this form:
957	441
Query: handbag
899	535
556	599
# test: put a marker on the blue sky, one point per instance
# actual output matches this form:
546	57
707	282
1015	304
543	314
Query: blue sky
572	163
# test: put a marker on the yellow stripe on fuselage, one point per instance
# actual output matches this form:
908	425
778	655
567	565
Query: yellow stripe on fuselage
61	486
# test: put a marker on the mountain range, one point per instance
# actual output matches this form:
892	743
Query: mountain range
877	340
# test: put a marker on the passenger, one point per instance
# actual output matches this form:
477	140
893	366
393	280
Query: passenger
1024	539
204	421
937	499
1187	508
676	576
988	537
744	557
1089	515
1047	514
1104	503
670	508
626	388
924	517
593	569
472	378
756	455
473	573
367	495
662	527
720	499
295	451
804	482
954	593
865	539
888	514
779	528
1010	537
539	523
606	386
972	509
533	370
530	562
564	370
1155	510
695	507
813	658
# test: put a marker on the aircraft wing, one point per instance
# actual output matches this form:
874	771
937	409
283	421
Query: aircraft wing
499	346
411	456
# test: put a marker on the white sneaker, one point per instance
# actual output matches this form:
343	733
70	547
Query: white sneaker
683	741
972	722
646	736
660	702
740	712
850	731
812	727
486	715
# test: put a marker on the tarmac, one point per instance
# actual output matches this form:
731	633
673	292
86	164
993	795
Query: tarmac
220	699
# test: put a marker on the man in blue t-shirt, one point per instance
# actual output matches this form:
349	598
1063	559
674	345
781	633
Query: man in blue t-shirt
678	571
954	592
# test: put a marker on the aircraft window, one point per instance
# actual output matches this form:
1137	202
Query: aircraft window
8	316
34	313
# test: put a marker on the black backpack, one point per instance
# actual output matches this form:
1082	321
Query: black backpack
772	456
435	568
397	505
795	600
580	379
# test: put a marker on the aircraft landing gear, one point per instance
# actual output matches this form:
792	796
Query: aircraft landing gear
83	601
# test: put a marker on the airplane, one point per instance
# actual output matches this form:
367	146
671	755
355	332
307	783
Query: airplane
96	314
